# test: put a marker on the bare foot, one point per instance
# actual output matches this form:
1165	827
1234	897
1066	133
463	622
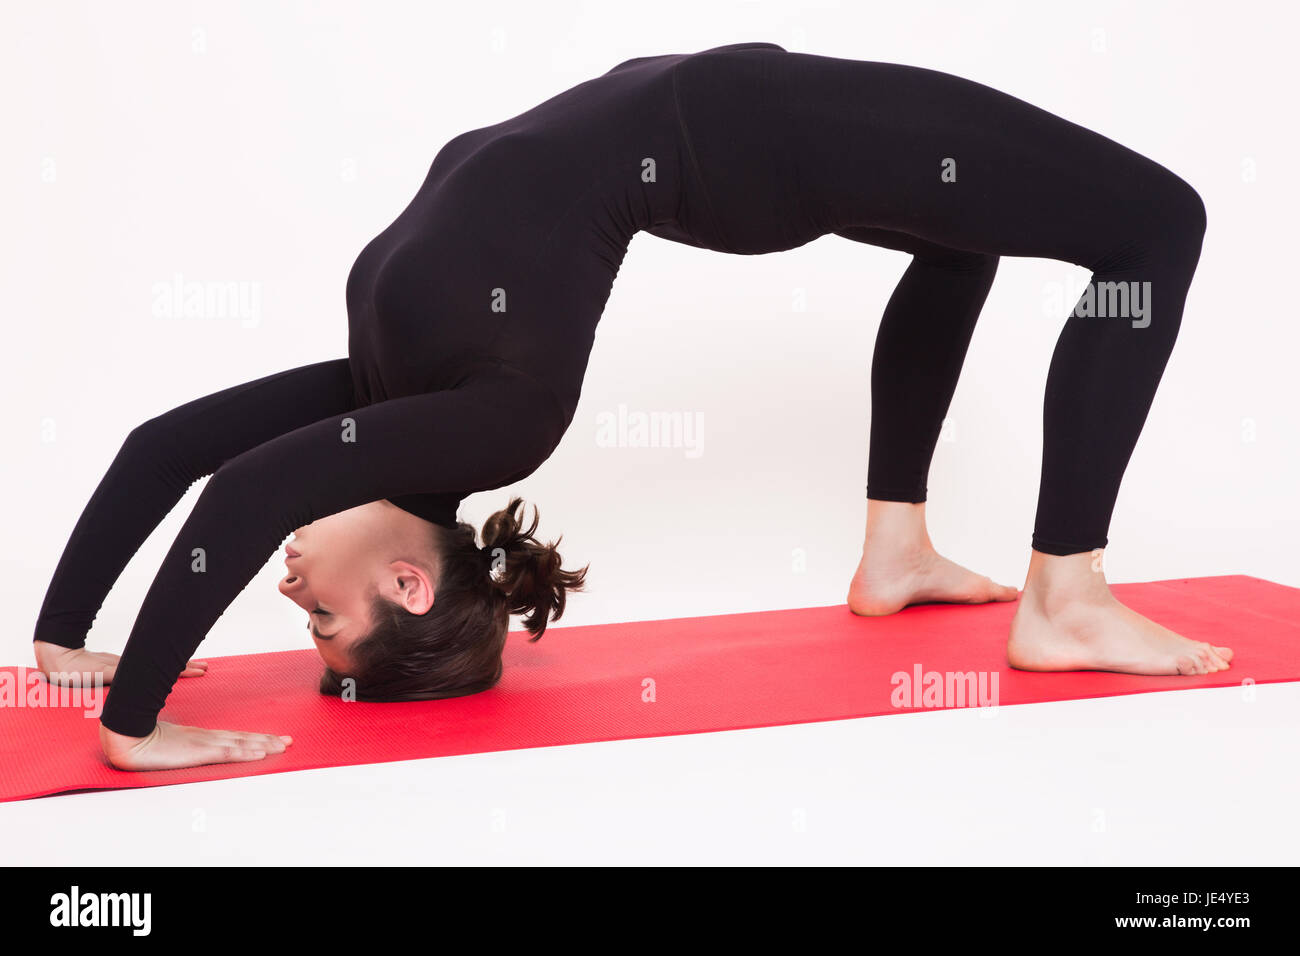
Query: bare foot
900	566
1068	620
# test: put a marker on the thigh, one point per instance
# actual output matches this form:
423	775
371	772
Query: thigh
955	162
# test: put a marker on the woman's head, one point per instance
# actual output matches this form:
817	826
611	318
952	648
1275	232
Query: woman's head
405	609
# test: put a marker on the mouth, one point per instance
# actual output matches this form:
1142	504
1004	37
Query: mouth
289	552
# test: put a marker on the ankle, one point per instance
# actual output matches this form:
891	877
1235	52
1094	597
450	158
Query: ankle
1057	583
897	527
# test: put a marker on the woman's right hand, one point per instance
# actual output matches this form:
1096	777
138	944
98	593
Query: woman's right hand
171	746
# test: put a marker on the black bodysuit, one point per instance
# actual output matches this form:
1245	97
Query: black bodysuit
472	316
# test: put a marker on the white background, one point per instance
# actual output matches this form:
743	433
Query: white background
267	143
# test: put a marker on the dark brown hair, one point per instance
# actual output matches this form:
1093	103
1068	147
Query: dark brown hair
455	648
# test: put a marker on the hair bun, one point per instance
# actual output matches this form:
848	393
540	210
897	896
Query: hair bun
526	572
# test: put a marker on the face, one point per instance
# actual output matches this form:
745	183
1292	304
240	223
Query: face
337	563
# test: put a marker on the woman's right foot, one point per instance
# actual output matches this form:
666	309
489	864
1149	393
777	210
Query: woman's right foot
1068	620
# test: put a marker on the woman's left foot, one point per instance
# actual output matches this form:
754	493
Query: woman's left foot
889	580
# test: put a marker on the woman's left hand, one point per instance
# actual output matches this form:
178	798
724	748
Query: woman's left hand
54	661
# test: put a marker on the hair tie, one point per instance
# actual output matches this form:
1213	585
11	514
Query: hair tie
496	573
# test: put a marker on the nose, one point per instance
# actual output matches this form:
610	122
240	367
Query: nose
290	585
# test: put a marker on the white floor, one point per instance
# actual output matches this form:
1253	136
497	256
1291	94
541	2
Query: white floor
1205	777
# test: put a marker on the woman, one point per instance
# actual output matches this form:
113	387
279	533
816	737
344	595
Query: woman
471	319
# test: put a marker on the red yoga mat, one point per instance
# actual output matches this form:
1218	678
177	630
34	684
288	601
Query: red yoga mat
653	678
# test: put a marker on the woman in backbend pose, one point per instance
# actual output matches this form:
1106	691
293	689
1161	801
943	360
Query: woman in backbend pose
471	318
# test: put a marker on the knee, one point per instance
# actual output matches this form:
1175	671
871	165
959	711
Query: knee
1182	212
1191	210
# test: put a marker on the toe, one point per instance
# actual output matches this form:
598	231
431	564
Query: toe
1216	662
984	589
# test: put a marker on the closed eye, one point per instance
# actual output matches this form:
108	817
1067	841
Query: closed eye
312	627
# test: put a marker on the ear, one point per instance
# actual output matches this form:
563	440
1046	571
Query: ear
410	586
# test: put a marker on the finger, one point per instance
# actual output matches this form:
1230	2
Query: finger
195	669
272	743
242	737
231	753
222	738
267	742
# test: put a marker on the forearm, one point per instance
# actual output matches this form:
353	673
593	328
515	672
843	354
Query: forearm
442	442
216	553
157	464
134	495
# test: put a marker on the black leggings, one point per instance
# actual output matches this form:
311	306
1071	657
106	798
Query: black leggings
959	174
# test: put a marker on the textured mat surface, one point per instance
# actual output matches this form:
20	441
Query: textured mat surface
648	679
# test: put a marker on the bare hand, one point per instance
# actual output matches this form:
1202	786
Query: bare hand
56	662
172	745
